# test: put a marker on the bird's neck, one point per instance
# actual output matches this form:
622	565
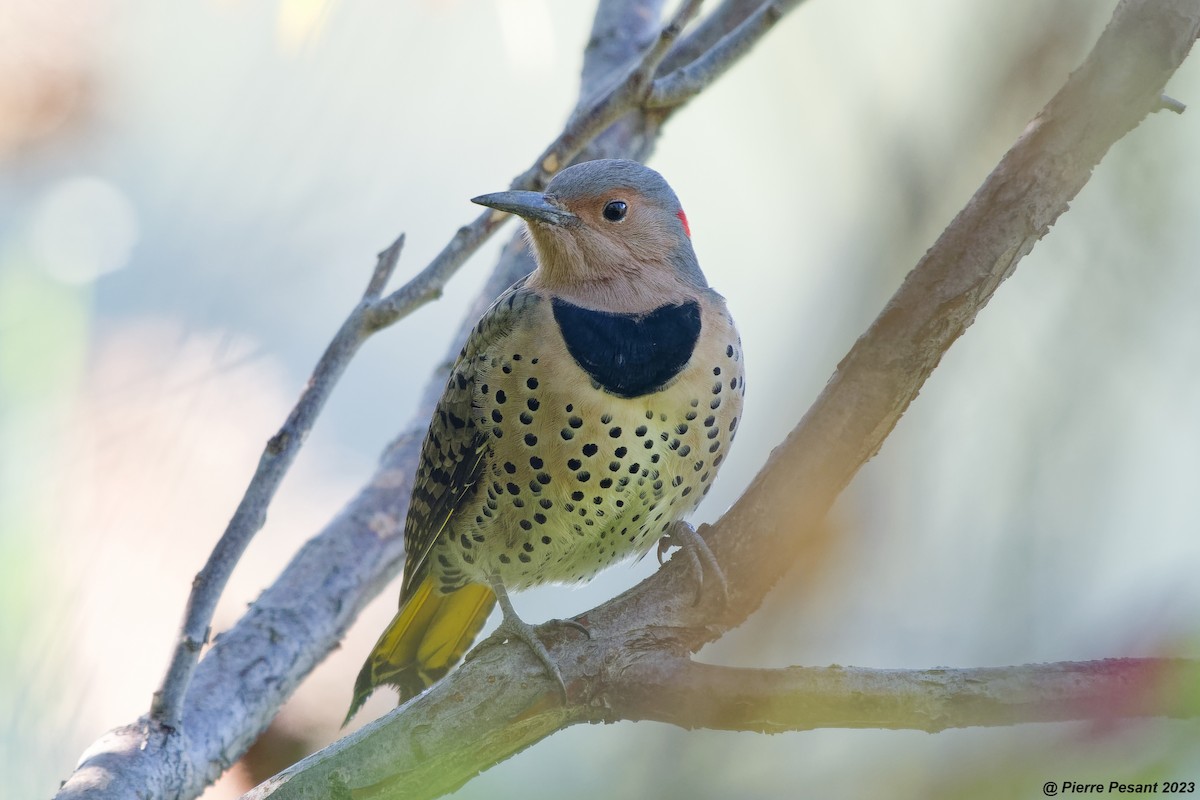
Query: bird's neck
622	293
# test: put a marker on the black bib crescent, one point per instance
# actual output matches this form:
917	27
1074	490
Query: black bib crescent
630	355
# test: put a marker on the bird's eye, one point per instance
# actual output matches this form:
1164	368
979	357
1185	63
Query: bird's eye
615	210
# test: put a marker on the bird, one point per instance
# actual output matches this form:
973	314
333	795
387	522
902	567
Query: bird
585	417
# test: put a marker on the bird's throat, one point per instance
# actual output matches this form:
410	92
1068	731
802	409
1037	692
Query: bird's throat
630	355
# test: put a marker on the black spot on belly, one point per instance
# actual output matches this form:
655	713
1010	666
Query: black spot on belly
630	355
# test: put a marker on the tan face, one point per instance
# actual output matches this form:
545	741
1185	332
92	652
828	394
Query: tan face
620	234
609	234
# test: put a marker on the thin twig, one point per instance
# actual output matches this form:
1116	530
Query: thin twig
428	284
1168	103
705	33
686	82
385	267
278	455
626	95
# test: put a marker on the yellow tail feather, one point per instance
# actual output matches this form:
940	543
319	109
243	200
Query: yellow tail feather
427	637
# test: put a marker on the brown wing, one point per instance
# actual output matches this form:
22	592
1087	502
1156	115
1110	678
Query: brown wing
457	444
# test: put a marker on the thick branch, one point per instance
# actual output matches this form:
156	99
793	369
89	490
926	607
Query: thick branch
501	701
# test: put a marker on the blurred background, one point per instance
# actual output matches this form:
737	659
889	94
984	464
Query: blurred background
191	197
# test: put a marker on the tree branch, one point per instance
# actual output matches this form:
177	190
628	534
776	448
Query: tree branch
442	739
501	701
716	24
686	82
587	123
278	455
682	692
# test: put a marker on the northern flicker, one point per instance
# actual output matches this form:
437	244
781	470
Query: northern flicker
587	413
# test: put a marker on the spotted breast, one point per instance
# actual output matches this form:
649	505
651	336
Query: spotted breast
587	463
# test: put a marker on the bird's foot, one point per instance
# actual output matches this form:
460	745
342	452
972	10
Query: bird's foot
699	554
513	627
516	628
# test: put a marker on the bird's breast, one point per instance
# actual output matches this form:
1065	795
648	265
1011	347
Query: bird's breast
577	477
629	355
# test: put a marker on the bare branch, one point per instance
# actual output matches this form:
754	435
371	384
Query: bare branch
427	285
587	123
691	695
686	82
166	709
715	24
385	267
1168	103
434	744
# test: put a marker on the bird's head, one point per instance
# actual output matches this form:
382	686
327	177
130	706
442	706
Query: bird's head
608	231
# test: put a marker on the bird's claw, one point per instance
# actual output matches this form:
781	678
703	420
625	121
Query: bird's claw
664	544
573	624
513	627
699	554
517	628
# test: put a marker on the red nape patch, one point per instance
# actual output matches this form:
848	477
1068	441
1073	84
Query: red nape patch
683	218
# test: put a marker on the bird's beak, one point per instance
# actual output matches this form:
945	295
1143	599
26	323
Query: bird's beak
530	205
